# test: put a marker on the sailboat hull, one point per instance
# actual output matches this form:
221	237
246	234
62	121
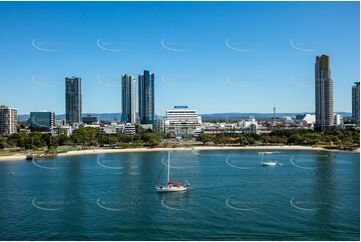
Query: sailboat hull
171	189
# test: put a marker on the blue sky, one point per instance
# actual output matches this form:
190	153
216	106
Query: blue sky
214	57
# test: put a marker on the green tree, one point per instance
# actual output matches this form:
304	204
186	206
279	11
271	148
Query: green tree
205	138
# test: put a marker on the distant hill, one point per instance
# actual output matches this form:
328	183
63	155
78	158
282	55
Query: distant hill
237	116
205	117
100	116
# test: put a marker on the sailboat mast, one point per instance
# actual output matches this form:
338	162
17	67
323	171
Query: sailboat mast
168	166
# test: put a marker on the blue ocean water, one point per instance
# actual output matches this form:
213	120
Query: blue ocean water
310	196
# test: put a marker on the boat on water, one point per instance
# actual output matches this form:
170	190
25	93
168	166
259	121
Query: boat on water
265	153
171	186
195	152
271	163
31	157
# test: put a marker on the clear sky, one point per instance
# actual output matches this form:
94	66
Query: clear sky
214	57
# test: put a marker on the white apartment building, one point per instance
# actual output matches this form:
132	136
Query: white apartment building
309	118
129	129
8	120
247	123
242	127
338	119
181	121
112	128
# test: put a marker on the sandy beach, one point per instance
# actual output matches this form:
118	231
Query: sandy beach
108	151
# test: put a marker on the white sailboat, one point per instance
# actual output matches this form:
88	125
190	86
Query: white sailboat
171	186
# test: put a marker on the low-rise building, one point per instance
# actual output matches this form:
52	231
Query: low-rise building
309	118
62	129
181	121
42	121
159	124
89	119
246	123
146	126
112	128
242	127
129	129
338	119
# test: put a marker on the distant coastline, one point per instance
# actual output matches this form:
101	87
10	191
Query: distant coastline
195	148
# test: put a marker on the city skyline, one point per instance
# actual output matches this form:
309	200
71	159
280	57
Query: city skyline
218	50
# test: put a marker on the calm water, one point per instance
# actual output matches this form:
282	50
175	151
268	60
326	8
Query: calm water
231	197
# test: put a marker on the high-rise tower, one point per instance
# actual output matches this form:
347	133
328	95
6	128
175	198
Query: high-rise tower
146	97
128	99
356	103
73	103
323	93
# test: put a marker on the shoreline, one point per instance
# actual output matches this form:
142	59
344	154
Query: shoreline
128	150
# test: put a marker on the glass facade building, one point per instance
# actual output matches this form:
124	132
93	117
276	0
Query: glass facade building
356	103
73	100
128	99
146	97
41	121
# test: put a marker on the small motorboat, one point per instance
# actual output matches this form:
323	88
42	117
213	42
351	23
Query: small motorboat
195	152
172	186
265	153
270	163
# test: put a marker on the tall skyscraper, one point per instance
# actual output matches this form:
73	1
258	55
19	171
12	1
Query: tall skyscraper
8	120
356	103
324	93
128	99
73	103
146	97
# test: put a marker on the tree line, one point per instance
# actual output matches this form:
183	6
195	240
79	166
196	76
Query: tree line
90	137
333	137
84	136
